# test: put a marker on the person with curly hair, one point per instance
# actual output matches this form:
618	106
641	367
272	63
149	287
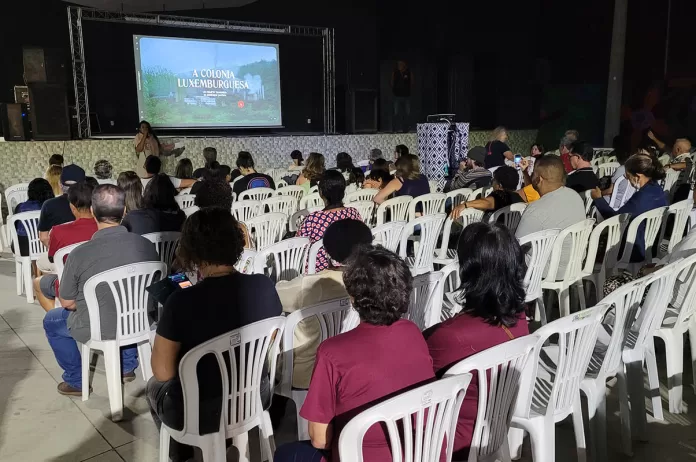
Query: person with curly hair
312	172
382	356
491	268
223	300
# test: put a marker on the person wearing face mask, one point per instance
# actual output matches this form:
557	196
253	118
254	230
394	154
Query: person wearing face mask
643	173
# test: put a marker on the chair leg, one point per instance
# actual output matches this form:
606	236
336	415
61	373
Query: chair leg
581	294
597	413
28	282
144	354
214	449
86	356
112	365
302	427
564	301
692	345
674	353
653	380
579	430
164	445
542	435
19	277
515	441
241	442
541	310
625	412
636	394
266	438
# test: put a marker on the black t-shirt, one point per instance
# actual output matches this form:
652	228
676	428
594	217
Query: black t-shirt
504	198
582	179
402	83
54	212
251	181
146	221
494	154
199	172
196	186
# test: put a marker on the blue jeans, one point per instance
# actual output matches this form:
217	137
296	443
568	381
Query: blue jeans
300	451
67	352
402	113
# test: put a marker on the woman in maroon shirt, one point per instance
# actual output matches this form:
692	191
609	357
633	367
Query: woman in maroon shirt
491	268
355	370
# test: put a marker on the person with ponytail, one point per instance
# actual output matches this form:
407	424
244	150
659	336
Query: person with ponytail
643	173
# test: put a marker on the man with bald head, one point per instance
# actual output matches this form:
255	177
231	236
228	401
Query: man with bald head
110	247
683	163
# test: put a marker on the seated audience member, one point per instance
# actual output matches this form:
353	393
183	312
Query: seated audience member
408	180
344	163
682	162
153	167
472	173
643	172
535	152
497	150
220	172
380	164
38	192
564	150
582	178
209	156
375	154
505	181
80	230
102	171
332	189
349	374
251	178
400	150
340	238
356	177
56	159
57	211
297	159
52	175
110	247
210	244
217	193
527	193
491	268
312	172
377	179
620	189
184	169
133	187
160	211
92	181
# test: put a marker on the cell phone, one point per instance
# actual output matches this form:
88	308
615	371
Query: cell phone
181	280
518	158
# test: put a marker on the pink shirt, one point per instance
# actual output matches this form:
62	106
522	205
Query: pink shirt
458	338
357	369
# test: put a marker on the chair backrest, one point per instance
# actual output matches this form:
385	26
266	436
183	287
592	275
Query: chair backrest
607	169
297	192
540	246
241	355
360	195
311	200
652	220
597	160
396	207
467	217
296	220
388	235
510	216
267	229
282	204
686	273
664	159
314	189
458	196
61	255
312	256
589	202
577	235
190	210
613	229
127	285
256	194
15	195
499	373
430	204
246	210
288	257
434	186
30	221
416	422
245	264
480	193
424	252
365	208
450	277
425	305
681	211
281	183
670	180
185	200
166	243
576	336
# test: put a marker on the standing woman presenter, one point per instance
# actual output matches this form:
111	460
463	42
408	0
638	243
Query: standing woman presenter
146	144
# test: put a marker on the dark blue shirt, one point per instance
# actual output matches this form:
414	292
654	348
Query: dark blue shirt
413	188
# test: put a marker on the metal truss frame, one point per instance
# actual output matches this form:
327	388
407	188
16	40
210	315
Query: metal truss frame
76	15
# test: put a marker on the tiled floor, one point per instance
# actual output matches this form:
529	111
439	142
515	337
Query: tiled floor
37	424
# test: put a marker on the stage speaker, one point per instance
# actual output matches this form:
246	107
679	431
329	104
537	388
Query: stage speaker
49	111
43	65
362	111
14	122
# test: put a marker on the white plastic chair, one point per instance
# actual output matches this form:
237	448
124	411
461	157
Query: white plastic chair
388	235
166	243
511	215
314	189
185	200
246	349
499	373
450	285
127	287
181	193
282	204
288	259
424	248
351	188
256	194
266	229
425	306
598	159
589	204
396	207
312	256
652	220
61	256
578	235
459	196
246	210
365	209
433	408
665	159
540	245
480	193
431	204
360	195
296	220
670	180
607	169
190	210
551	392
281	184
444	255
245	264
680	211
297	192
23	274
613	229
433	186
14	195
311	200
334	317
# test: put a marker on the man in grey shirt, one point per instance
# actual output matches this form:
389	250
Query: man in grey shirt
558	207
110	247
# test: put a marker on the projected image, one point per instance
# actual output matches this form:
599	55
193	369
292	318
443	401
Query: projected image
201	83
